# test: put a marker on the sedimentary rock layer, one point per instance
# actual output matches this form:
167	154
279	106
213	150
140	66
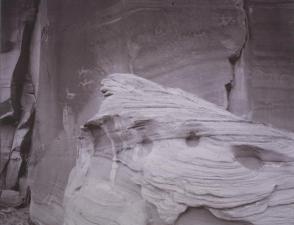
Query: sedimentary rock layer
237	54
182	44
153	155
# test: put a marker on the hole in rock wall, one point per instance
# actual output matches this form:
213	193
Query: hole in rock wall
192	140
146	142
147	145
202	216
249	157
253	157
250	162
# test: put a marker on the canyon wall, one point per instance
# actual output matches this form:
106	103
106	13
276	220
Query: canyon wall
236	54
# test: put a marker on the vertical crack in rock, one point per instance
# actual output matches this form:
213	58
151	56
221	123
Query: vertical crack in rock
21	116
235	58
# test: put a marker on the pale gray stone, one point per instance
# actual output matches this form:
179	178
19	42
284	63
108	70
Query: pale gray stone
152	153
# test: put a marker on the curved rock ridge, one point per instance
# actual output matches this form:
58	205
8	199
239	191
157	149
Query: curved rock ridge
152	153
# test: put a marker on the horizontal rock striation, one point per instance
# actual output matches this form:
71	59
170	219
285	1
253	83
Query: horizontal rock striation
237	54
155	155
184	44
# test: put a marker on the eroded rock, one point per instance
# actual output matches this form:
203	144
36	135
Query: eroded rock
11	216
153	155
235	53
17	96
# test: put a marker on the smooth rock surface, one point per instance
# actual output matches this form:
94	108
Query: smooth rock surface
271	62
152	153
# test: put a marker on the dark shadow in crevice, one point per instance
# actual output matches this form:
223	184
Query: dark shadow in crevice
253	157
192	140
204	217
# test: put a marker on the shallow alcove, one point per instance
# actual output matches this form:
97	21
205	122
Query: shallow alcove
202	216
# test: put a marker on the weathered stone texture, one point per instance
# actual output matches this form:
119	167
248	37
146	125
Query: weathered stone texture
181	44
151	153
236	54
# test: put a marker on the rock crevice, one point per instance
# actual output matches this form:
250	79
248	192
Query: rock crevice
18	115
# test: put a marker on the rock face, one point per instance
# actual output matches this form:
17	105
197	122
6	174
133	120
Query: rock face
269	62
17	98
183	44
218	50
237	54
155	155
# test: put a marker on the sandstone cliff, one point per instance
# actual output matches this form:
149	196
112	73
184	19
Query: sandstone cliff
236	54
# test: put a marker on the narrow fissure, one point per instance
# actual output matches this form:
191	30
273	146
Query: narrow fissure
14	191
235	58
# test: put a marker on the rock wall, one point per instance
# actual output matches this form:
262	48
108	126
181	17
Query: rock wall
18	98
151	153
237	54
270	62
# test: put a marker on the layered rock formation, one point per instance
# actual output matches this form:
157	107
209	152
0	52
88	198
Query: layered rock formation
219	50
237	54
177	43
151	153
